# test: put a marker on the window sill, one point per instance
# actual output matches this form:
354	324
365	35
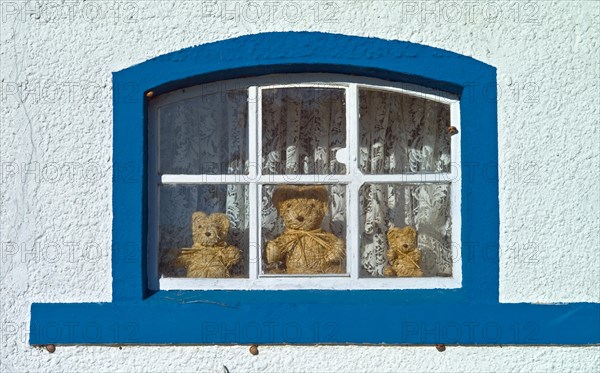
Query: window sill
307	317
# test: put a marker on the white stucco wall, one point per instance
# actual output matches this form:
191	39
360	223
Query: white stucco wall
56	139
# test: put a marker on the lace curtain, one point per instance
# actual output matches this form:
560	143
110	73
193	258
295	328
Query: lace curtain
303	128
206	134
404	134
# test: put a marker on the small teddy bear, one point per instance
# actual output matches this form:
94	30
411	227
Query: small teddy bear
210	255
403	255
303	247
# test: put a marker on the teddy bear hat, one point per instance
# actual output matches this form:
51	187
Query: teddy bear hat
286	192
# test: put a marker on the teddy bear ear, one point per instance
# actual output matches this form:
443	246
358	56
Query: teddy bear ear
409	229
280	194
324	206
391	231
410	232
222	220
198	215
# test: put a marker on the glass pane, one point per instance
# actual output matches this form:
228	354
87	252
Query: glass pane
388	247
304	229
402	134
302	130
203	231
205	134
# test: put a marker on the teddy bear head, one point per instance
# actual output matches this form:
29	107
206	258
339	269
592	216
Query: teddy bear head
209	230
302	207
403	239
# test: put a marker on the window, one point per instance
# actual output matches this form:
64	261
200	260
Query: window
381	151
463	308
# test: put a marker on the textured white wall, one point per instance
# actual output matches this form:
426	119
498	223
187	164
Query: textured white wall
56	138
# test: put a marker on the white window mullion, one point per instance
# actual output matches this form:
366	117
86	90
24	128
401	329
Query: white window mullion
414	91
456	193
254	227
257	106
305	179
260	179
253	133
352	128
409	178
254	171
256	245
455	165
352	200
353	234
204	179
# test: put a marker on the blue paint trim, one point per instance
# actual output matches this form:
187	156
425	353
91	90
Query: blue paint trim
137	316
231	320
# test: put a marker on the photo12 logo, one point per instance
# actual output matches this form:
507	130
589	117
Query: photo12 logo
469	332
69	11
271	11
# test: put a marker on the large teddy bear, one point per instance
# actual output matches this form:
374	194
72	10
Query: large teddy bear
210	254
403	255
304	247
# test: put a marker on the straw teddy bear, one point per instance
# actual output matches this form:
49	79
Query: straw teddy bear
210	254
303	247
403	255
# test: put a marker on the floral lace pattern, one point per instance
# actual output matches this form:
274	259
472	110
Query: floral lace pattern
404	134
426	207
207	134
303	128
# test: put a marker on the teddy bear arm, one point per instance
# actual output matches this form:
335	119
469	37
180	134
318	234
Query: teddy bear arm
277	249
417	256
389	271
392	254
230	255
338	252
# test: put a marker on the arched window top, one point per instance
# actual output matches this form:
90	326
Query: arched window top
297	52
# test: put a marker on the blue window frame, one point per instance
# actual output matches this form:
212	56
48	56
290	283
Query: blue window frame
471	314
